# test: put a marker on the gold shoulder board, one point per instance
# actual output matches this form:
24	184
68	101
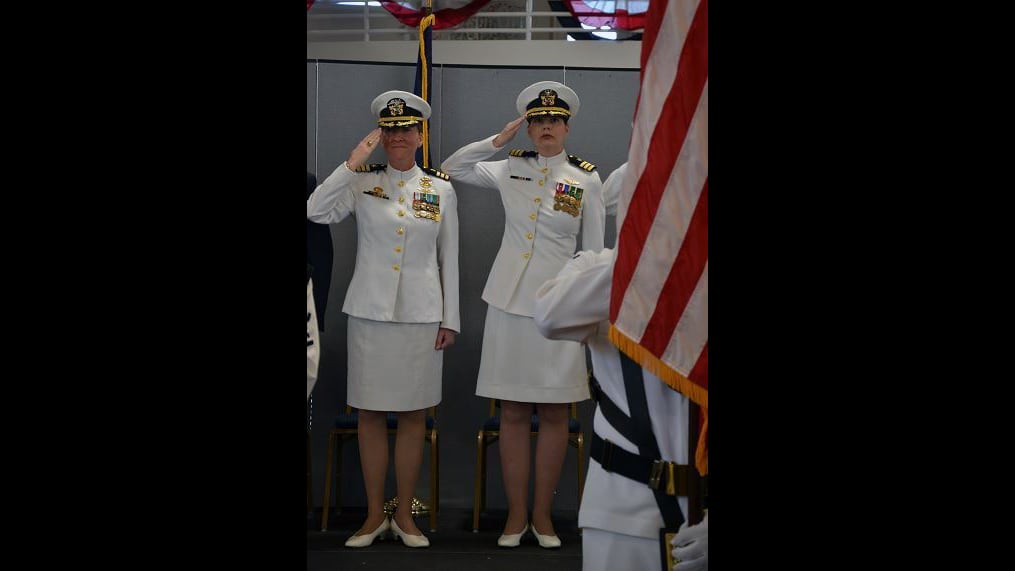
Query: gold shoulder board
583	164
439	174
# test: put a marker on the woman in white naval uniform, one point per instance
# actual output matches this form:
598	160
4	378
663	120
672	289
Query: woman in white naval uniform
619	517
402	302
548	196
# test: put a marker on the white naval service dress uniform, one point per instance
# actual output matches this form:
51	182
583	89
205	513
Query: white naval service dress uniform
619	517
517	363
405	285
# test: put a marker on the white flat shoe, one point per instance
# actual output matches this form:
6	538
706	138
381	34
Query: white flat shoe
409	540
546	541
368	538
512	540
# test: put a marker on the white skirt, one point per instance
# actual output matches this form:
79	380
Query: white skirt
393	366
519	364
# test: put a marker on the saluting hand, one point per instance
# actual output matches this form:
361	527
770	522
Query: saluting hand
445	339
508	132
361	153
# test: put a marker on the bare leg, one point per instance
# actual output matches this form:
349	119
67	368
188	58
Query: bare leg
373	454
551	447
515	426
408	459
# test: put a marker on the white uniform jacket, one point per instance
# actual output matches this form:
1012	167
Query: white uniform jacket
538	239
576	305
406	265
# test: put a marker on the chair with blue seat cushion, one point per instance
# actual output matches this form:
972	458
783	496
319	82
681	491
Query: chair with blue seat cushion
490	433
347	428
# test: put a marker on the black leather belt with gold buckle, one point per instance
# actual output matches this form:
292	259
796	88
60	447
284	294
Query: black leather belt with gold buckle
652	472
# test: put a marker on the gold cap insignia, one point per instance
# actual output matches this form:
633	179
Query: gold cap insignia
396	106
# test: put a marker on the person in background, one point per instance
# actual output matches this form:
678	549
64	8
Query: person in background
319	255
313	338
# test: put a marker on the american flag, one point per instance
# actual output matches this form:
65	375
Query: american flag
659	297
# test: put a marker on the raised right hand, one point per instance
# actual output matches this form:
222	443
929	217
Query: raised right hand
508	132
361	153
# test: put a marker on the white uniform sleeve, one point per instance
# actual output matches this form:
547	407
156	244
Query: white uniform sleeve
594	216
464	164
611	189
447	258
313	340
576	303
334	199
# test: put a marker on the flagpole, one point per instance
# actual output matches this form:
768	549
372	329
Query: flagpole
423	69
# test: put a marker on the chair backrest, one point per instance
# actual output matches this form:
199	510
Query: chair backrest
495	404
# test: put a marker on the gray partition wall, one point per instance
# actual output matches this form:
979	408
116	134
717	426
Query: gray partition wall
469	103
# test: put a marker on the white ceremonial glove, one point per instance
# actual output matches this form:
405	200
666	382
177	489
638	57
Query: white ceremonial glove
690	547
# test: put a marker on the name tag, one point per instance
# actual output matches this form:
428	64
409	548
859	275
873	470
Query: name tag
378	192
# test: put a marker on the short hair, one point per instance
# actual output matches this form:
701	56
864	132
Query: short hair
563	118
418	126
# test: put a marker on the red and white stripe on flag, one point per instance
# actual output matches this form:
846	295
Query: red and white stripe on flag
659	297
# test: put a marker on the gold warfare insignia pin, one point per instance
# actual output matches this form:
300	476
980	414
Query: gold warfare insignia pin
377	191
548	97
425	182
396	106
